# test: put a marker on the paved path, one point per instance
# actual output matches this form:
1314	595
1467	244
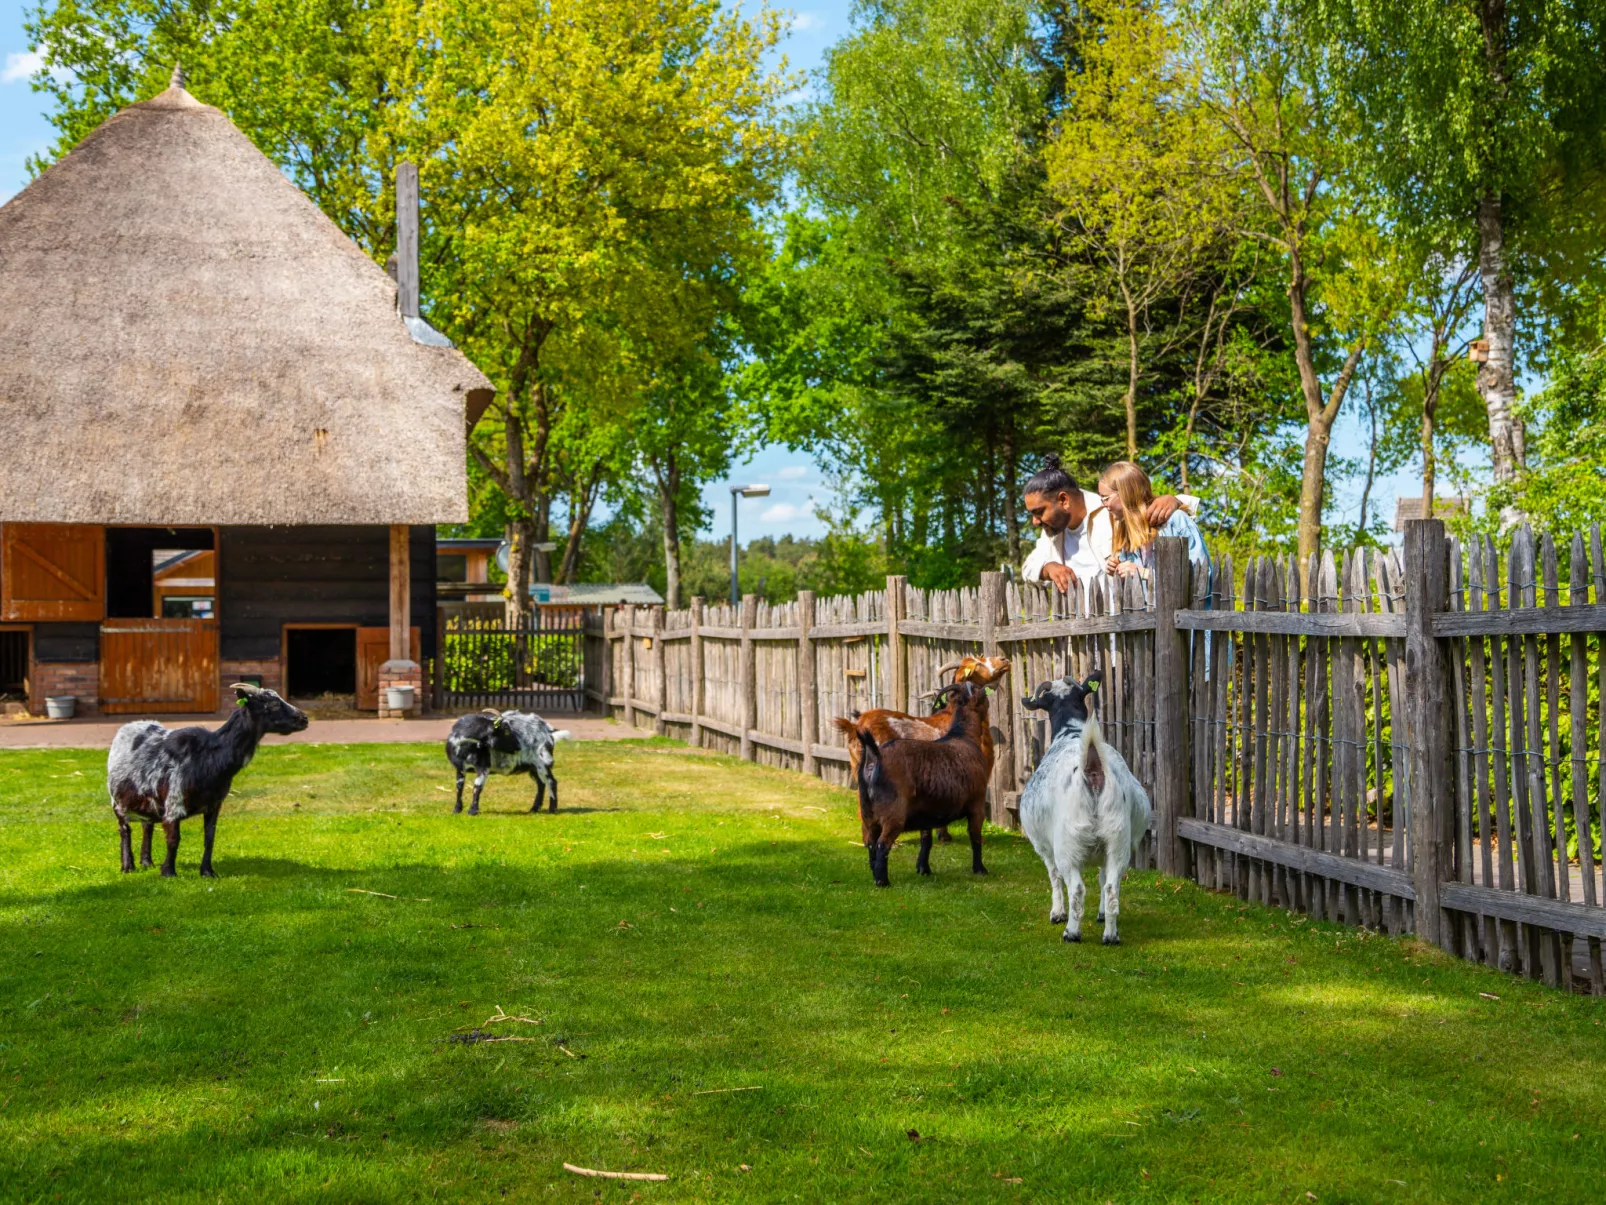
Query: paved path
98	733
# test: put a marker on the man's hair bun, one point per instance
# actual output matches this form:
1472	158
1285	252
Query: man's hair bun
1051	462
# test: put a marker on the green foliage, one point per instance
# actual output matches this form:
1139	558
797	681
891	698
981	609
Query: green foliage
1563	489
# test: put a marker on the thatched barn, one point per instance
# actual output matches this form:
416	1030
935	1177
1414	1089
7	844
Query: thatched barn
196	358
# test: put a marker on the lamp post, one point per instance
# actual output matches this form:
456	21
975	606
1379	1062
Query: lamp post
741	491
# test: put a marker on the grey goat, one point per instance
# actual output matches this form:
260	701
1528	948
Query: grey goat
504	742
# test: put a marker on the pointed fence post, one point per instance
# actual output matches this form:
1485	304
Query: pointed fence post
1432	810
995	615
749	678
628	616
658	667
697	679
896	685
806	684
1170	701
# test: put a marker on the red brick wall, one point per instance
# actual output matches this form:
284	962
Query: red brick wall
230	672
81	679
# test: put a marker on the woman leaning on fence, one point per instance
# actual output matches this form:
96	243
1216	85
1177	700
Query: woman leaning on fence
1125	492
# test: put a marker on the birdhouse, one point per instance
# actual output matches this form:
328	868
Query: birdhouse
1478	351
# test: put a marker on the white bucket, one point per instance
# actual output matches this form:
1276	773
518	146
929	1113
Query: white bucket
399	698
60	707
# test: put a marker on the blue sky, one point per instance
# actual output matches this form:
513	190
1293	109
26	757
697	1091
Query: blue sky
795	480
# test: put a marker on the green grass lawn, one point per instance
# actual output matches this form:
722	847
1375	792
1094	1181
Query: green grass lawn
719	994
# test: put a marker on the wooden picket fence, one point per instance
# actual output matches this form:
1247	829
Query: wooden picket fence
1406	740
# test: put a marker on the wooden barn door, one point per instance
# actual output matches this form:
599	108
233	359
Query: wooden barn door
158	665
52	572
373	650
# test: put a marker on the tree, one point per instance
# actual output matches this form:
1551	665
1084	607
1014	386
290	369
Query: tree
1263	77
1488	113
603	164
1148	184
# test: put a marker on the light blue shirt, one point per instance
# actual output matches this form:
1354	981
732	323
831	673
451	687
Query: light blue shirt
1181	524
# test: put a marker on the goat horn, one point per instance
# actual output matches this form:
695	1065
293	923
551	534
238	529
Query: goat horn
249	688
490	711
951	666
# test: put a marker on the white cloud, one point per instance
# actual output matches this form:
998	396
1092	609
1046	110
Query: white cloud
805	21
785	512
20	65
793	472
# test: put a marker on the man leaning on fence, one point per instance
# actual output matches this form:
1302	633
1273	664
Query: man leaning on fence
1077	538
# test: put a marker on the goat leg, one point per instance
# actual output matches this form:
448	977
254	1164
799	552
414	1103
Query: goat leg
479	785
170	831
540	791
975	842
944	836
1056	896
145	846
126	838
460	777
878	864
208	832
1110	890
1101	895
552	784
1073	878
923	862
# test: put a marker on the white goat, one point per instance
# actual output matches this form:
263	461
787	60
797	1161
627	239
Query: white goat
1081	798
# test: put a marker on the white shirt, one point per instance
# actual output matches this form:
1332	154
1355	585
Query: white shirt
1083	548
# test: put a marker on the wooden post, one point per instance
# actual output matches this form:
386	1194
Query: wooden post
407	242
896	684
697	679
805	680
995	614
1432	816
749	678
628	616
400	592
438	694
1170	701
658	725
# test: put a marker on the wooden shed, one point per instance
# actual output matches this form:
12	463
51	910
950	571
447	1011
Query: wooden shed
197	360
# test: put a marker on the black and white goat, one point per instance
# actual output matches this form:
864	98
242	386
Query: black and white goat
1081	800
156	775
504	742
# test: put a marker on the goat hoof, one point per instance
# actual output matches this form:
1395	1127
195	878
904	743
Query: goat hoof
1057	918
978	870
1101	918
129	869
1112	940
208	873
1076	937
168	872
926	870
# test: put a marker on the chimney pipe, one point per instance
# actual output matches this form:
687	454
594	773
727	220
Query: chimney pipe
407	239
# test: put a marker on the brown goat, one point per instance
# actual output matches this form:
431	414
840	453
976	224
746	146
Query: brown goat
910	784
887	725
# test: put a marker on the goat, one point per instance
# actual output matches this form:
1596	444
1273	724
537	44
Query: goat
889	725
161	775
906	784
504	742
1081	798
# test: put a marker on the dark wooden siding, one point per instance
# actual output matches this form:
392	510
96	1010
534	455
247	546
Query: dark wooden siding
271	576
66	642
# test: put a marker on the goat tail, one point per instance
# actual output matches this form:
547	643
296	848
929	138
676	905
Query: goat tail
848	729
1095	761
562	734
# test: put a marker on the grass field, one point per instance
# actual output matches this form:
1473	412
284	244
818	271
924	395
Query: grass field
719	994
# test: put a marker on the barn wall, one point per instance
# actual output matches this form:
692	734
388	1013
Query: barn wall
66	642
271	576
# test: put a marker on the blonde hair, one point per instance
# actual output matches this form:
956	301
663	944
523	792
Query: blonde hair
1131	531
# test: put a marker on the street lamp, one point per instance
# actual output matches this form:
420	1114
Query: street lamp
741	491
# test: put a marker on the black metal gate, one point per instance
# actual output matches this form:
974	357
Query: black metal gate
485	663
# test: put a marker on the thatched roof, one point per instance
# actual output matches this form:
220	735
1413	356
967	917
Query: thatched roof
186	339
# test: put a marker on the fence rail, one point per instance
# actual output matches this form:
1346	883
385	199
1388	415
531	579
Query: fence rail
1407	740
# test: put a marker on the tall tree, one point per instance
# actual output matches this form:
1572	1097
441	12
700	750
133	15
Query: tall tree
1265	79
1488	113
1148	184
603	162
